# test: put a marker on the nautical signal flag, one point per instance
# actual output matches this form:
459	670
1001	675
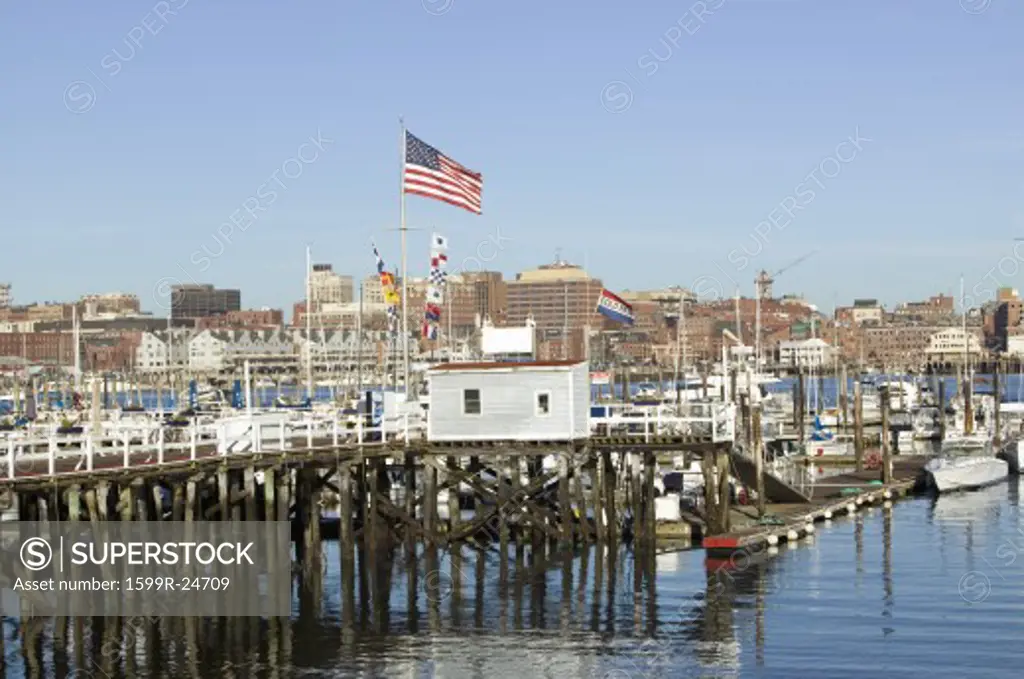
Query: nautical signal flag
614	307
431	174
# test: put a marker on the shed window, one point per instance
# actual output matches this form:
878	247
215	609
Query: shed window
471	401
543	403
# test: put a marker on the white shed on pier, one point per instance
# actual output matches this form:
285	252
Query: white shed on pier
538	401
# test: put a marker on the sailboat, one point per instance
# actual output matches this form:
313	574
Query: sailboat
967	459
824	442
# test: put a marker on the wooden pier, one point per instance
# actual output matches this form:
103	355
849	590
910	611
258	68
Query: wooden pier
387	484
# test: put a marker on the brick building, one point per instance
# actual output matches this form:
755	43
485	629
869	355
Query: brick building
245	318
559	297
52	348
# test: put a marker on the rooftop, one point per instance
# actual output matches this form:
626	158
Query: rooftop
448	367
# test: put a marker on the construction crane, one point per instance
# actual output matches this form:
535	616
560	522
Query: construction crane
763	289
764	280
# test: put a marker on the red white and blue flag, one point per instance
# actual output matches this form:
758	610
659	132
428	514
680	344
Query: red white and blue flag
614	307
435	290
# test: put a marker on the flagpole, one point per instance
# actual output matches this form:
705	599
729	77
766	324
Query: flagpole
309	320
405	277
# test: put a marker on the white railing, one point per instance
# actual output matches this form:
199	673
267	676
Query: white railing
713	421
42	450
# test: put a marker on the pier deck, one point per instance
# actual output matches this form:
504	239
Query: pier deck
832	496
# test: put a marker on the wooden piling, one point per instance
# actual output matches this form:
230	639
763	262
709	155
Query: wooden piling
505	490
801	408
858	424
711	510
636	495
650	466
997	395
724	491
564	497
886	435
409	474
249	487
844	398
942	407
610	479
597	494
454	508
223	494
190	501
759	459
74	500
430	502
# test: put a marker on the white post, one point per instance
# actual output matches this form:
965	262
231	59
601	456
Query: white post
52	454
359	430
281	435
160	446
90	453
406	426
248	389
254	436
334	431
10	459
127	450
193	439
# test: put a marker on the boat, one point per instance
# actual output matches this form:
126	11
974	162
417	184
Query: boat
824	442
1012	451
965	462
964	467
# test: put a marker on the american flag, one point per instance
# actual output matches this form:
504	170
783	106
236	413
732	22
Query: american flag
430	173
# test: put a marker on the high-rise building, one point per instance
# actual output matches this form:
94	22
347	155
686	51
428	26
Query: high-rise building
5	295
327	287
490	295
561	298
198	301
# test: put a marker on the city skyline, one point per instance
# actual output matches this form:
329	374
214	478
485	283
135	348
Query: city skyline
686	151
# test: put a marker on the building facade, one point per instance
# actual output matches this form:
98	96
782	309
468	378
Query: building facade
50	348
261	319
327	287
109	305
197	301
809	353
559	297
952	344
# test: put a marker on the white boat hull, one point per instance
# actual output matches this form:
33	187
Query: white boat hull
1013	453
827	448
950	475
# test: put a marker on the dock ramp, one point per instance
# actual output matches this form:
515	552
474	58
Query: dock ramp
775	489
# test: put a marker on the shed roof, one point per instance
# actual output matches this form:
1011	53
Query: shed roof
447	367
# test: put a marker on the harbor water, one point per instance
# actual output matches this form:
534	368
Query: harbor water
926	588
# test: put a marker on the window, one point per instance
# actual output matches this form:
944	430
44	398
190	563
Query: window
543	403
470	401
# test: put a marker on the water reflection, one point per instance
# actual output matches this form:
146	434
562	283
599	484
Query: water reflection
594	612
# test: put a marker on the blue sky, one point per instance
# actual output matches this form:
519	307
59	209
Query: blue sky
653	144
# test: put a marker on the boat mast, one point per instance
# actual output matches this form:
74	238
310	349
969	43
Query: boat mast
309	321
679	342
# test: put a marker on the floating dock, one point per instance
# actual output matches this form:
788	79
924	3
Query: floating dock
843	494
